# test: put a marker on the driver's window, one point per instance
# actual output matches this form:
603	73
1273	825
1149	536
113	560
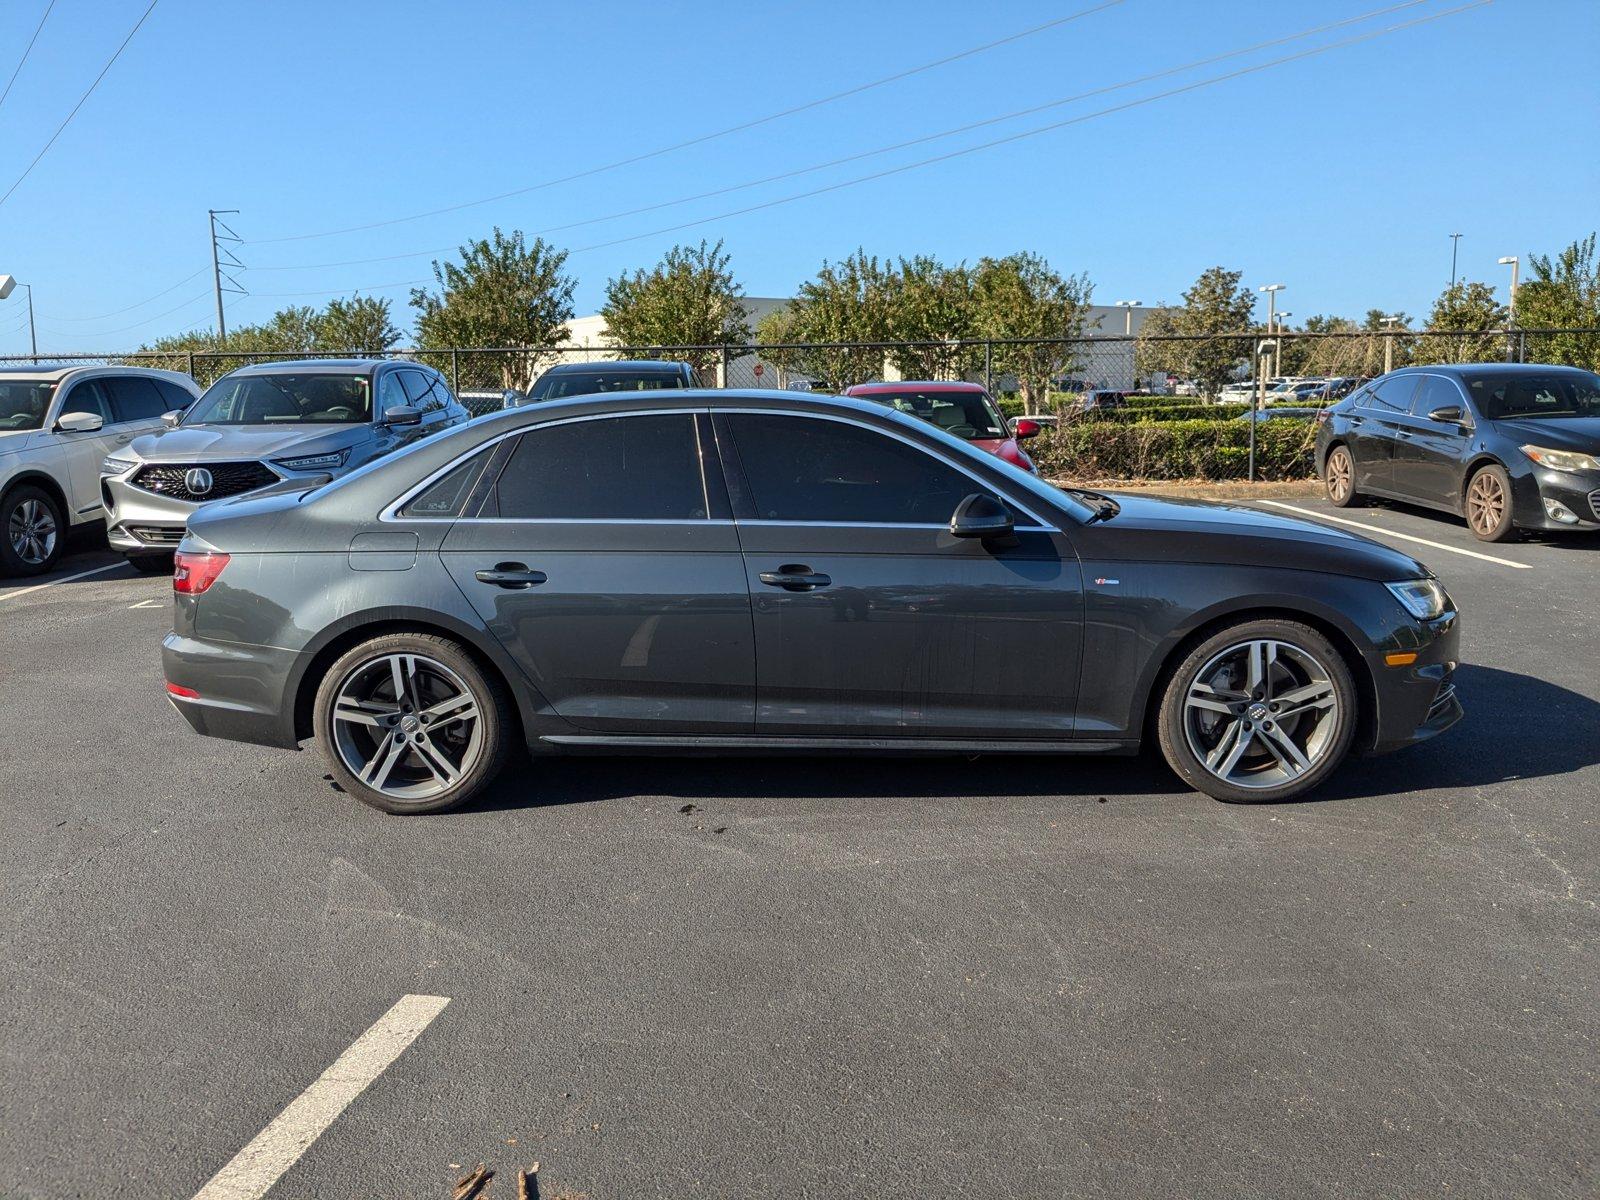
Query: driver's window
806	469
391	393
87	397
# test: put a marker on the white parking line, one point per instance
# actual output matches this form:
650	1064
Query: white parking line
39	587
1379	529
253	1171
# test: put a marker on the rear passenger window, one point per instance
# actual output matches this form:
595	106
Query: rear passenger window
134	398
811	470
447	496
615	468
174	396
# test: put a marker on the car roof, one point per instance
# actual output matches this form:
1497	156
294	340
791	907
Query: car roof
653	366
1485	368
56	373
921	385
323	366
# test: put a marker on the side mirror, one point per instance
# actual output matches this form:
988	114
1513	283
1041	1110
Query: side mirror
172	416
79	422
1450	414
402	414
980	516
1023	429
511	398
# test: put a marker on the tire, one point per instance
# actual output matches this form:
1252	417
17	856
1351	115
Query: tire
151	564
33	533
1339	478
1487	505
1301	663
383	751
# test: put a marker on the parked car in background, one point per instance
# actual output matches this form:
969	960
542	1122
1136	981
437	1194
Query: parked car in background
1278	412
1509	446
1334	388
766	572
1099	400
964	410
1236	393
596	378
56	426
284	426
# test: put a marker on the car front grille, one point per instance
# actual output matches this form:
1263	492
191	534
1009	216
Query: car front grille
1443	697
156	535
227	479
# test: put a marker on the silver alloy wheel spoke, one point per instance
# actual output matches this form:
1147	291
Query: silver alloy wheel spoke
389	752
1262	656
438	765
406	725
1284	750
363	712
1230	749
447	712
1300	700
1203	695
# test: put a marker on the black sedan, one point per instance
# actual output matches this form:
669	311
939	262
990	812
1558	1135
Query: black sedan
762	573
1509	446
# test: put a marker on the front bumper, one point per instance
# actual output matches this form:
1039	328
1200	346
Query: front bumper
242	689
1578	492
1416	700
139	521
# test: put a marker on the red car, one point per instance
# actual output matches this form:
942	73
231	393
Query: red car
962	409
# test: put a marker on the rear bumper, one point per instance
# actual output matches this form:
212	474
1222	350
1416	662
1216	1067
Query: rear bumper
1418	700
242	691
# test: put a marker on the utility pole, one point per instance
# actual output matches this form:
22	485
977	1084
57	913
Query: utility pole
1455	244
1388	342
217	263
1513	262
33	337
1272	290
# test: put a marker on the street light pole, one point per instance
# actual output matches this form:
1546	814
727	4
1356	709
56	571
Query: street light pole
1272	290
1455	244
1127	307
1388	342
1512	261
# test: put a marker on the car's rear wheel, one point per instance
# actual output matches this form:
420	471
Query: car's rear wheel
1489	505
1264	710
1339	478
411	724
32	531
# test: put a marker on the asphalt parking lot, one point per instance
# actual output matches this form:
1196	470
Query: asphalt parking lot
810	977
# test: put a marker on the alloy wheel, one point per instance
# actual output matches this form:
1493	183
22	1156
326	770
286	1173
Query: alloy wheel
1339	475
406	726
32	529
1486	503
1261	713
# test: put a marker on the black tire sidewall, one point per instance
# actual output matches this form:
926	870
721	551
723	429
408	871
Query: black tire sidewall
493	707
1170	729
10	563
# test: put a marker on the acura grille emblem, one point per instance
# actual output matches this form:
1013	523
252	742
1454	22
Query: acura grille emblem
197	480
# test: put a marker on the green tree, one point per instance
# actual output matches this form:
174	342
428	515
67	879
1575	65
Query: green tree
933	311
1562	292
846	301
1460	325
1022	296
688	299
361	323
1207	345
503	293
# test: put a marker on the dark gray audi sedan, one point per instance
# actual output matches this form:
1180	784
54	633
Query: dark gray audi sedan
767	572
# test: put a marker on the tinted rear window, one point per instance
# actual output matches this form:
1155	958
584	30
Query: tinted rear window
617	468
560	384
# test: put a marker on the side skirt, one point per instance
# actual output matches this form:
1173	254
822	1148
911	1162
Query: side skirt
758	744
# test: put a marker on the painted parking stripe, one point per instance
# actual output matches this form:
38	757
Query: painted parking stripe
39	587
1379	529
253	1171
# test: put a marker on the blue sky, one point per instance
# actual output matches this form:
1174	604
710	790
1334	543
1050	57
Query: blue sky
1341	175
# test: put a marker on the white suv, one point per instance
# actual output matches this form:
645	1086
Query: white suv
57	424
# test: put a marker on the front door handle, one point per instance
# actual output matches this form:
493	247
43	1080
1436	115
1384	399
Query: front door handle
512	575
792	577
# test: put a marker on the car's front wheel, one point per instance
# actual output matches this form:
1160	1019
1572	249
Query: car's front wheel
32	531
411	724
1339	478
1263	710
1489	505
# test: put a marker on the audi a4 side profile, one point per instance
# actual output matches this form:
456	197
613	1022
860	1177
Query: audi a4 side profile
269	427
773	572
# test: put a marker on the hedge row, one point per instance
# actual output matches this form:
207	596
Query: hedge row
1215	450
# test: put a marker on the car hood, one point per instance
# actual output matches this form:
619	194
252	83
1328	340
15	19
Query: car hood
215	443
1149	527
1559	433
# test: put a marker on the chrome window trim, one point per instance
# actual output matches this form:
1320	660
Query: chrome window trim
390	513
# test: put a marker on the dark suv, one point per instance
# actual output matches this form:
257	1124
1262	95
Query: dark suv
1509	446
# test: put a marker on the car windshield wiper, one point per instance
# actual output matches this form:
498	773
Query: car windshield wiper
1104	506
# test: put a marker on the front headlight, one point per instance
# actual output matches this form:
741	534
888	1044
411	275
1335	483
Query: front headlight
1562	460
315	462
1424	599
112	465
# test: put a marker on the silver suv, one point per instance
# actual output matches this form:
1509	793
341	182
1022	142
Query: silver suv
56	425
272	427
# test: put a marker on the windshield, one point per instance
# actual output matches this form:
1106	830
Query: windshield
555	386
23	403
1520	397
967	415
284	400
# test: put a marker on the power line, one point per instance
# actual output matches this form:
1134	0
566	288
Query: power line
26	50
974	149
932	137
81	100
707	137
141	303
94	333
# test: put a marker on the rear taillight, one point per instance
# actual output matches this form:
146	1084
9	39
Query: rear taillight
194	573
1322	416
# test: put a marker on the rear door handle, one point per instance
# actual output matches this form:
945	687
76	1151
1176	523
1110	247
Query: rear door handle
512	575
795	578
